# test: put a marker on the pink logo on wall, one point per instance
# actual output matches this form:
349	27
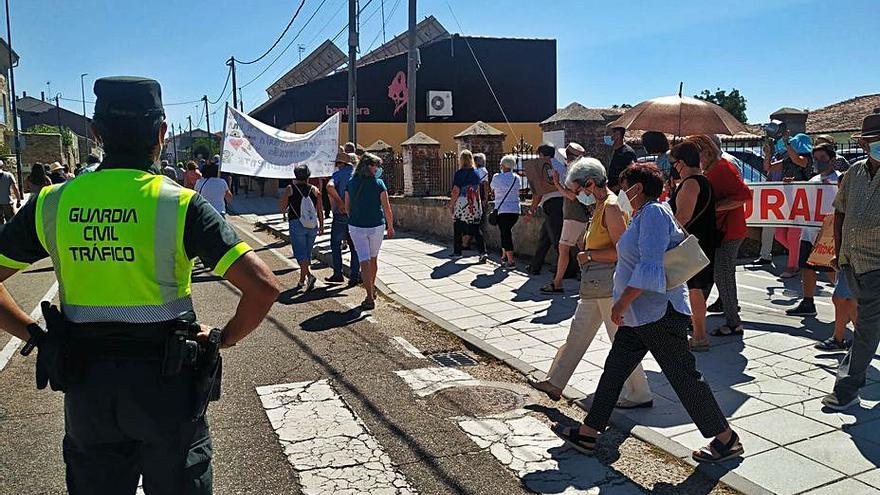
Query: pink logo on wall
398	91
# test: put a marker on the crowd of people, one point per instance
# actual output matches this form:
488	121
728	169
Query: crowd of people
623	218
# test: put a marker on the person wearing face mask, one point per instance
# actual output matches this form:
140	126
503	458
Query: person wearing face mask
731	193
574	220
622	155
857	246
694	206
651	317
587	179
505	189
823	160
795	164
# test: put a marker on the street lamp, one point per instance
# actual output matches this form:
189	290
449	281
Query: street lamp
82	87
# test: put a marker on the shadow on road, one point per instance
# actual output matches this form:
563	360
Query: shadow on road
329	320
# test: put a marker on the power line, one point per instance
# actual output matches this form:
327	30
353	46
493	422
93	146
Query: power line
288	45
384	20
480	66
359	14
295	14
74	100
327	24
225	85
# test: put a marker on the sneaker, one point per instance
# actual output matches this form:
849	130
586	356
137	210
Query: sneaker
483	258
830	345
334	279
310	282
762	262
832	402
805	308
368	304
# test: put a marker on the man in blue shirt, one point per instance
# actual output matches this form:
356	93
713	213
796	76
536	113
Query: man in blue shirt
339	229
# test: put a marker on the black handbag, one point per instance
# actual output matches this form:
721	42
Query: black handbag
493	215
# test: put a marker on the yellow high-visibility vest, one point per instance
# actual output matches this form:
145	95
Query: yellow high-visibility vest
116	239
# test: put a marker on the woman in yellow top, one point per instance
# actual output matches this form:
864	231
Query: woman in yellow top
588	179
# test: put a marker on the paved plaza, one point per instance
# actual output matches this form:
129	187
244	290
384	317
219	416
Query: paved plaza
769	382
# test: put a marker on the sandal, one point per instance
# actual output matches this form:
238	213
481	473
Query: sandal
727	331
698	345
545	386
572	436
552	289
718	452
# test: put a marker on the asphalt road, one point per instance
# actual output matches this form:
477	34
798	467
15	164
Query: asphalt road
307	338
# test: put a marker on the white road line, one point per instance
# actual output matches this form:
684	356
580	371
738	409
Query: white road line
271	250
408	347
327	444
36	315
528	447
427	381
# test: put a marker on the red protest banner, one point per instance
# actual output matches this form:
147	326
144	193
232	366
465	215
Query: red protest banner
780	204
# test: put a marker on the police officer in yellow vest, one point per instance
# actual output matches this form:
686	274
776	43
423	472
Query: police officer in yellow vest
122	241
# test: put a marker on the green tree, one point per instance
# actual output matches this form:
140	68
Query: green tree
733	102
207	147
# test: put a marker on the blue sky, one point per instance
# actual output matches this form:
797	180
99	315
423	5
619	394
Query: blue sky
798	53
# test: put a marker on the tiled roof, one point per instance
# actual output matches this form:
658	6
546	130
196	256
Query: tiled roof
843	116
420	138
787	111
379	145
578	112
480	128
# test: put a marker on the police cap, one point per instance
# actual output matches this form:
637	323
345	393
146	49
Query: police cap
126	96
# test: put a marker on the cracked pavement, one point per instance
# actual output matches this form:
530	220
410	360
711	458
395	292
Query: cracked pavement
327	444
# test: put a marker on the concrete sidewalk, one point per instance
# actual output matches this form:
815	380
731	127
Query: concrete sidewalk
769	382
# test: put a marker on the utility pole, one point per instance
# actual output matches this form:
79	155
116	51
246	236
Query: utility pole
231	63
174	144
301	48
241	100
411	56
58	112
207	116
190	120
16	139
352	69
82	87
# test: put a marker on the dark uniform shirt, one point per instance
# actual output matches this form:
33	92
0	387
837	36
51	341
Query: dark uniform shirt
620	159
206	234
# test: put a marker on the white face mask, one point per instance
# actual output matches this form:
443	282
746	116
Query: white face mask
624	203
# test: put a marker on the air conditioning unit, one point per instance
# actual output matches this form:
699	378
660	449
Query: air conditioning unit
439	103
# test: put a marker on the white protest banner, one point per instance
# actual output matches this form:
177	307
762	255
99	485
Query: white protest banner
793	204
253	148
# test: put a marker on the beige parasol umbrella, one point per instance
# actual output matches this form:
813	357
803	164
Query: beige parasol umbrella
679	116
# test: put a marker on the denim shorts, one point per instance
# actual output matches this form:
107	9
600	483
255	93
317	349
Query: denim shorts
302	240
841	289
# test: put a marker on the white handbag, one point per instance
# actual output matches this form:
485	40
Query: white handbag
684	261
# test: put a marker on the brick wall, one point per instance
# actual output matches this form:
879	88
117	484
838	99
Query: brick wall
421	163
42	148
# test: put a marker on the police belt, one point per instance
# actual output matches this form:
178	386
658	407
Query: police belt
125	341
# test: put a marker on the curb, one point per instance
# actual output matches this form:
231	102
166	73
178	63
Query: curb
618	420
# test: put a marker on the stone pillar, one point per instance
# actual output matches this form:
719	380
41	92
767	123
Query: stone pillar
483	138
795	120
384	151
421	161
587	133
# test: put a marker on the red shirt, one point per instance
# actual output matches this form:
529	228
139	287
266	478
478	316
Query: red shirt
727	184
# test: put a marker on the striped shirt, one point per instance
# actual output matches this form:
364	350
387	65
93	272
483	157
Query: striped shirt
859	200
